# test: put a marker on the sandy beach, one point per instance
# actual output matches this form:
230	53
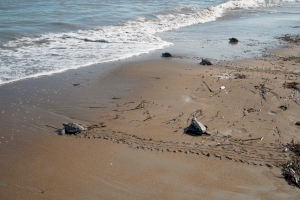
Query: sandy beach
137	146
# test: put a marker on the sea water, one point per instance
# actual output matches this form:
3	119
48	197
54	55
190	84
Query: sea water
45	37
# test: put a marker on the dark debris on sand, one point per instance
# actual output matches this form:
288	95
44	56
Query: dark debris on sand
291	170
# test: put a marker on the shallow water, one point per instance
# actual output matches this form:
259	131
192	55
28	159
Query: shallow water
40	38
255	31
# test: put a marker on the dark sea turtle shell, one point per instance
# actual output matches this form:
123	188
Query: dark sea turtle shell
167	54
205	62
197	127
233	40
72	127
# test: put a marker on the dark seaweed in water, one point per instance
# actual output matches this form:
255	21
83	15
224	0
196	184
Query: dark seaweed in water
290	38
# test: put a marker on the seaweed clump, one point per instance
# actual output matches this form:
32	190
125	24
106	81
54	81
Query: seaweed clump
291	170
290	38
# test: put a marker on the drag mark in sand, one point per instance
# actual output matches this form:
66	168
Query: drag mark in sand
251	151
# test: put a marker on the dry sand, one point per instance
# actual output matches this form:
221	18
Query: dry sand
140	150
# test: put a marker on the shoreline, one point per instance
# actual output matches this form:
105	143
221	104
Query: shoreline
119	159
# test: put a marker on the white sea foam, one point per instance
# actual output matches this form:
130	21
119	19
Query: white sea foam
55	52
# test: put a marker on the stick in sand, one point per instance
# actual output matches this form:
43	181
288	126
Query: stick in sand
207	87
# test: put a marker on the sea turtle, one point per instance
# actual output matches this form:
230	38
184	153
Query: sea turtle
167	54
233	40
197	127
73	128
205	62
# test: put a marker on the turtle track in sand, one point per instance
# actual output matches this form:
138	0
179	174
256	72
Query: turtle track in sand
249	152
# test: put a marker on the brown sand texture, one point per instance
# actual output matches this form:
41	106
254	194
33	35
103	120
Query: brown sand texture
137	146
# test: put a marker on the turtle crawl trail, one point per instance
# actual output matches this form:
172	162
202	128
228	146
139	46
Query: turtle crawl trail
269	155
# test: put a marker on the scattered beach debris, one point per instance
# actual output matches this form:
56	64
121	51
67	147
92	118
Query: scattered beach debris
292	85
223	87
197	127
291	170
240	76
166	55
278	131
233	40
298	122
263	90
251	110
290	58
205	61
284	108
73	128
76	84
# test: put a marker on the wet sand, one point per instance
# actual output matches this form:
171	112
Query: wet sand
139	148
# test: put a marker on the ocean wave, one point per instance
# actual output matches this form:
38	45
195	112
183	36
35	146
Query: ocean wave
55	52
